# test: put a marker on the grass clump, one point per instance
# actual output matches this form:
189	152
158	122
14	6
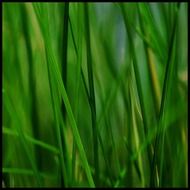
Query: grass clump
95	95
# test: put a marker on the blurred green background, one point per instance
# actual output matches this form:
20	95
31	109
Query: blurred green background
123	67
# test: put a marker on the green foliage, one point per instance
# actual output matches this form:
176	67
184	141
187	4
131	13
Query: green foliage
95	95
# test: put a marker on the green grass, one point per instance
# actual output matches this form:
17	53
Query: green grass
92	101
95	95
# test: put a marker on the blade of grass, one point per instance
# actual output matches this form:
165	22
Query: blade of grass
80	72
32	82
92	93
55	104
64	73
160	131
151	67
129	101
76	51
65	47
135	114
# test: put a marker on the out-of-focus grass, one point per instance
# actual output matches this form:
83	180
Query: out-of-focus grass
95	95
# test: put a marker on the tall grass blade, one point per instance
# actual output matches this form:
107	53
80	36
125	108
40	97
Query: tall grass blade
161	123
92	93
65	47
